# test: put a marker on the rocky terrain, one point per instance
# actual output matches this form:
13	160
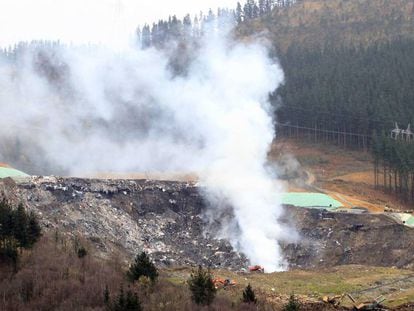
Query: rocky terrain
165	219
340	238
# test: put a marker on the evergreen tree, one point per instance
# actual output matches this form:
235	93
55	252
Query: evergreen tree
248	295
262	7
146	37
132	302
21	226
82	252
239	13
6	221
268	5
17	230
106	295
293	304
202	287
142	266
119	304
247	10
33	230
128	302
138	34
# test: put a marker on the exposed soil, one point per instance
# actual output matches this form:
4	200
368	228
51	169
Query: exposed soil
345	175
166	219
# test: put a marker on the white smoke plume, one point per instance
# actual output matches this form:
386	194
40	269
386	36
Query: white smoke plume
93	109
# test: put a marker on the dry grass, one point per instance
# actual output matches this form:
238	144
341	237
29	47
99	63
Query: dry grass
310	286
52	277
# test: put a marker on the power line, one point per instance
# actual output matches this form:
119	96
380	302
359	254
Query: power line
323	131
343	115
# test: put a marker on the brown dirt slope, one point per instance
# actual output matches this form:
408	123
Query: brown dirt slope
345	175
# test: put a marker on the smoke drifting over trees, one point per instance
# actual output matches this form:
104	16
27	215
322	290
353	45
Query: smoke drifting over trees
80	110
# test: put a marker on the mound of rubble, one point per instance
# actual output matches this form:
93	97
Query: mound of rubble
160	217
165	219
342	238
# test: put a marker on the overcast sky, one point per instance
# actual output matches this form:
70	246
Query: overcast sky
82	21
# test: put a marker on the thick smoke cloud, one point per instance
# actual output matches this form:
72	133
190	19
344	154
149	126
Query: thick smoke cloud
86	110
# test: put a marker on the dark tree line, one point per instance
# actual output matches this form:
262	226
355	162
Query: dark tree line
159	34
344	94
394	166
18	229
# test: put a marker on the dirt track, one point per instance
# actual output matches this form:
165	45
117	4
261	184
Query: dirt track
345	175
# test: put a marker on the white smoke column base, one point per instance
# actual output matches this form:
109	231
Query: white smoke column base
241	133
125	112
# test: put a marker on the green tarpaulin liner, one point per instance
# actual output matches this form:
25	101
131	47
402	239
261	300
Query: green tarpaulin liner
410	221
11	172
311	200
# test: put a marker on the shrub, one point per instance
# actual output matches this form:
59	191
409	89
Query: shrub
202	287
142	266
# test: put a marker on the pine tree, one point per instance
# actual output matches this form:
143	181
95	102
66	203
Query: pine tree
146	37
33	230
248	295
6	221
239	13
142	266
17	230
20	226
132	302
106	295
268	6
262	7
119	304
128	302
293	304
82	252
202	287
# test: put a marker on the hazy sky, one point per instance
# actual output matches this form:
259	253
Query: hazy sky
81	21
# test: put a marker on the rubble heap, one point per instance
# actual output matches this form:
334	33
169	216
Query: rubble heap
160	217
165	219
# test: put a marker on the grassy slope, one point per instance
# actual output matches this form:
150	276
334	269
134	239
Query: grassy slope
312	285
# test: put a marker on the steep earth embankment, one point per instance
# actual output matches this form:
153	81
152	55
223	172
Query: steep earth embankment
165	218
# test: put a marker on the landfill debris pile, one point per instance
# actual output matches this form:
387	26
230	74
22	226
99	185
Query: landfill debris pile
127	216
166	219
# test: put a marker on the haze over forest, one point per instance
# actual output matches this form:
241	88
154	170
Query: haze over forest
216	95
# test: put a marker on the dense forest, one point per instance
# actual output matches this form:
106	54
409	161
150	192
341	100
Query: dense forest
338	92
394	166
18	230
344	94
